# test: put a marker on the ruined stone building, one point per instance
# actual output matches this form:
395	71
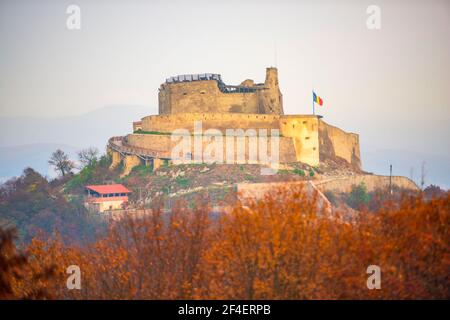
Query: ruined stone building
206	93
204	98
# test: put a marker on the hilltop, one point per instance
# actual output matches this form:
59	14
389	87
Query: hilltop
218	182
34	204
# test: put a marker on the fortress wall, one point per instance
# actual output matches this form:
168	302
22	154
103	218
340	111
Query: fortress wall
154	142
164	143
164	99
334	142
287	150
305	136
312	140
257	191
115	158
129	162
221	121
137	125
372	182
204	96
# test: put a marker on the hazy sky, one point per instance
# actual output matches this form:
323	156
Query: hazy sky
392	86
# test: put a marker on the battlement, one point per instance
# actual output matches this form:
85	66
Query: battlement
245	87
194	77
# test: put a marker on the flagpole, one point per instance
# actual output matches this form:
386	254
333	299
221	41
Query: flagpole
313	102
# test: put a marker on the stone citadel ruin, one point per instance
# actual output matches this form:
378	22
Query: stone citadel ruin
187	99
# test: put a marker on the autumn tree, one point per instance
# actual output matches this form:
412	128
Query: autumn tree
17	279
287	245
60	160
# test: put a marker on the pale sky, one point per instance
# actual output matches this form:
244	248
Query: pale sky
392	86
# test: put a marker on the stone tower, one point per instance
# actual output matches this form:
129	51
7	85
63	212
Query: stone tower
271	99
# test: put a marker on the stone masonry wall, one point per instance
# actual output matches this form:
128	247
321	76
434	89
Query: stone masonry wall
205	97
165	143
303	130
372	182
334	142
221	121
313	140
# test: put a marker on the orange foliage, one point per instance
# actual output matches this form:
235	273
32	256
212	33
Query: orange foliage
282	247
18	279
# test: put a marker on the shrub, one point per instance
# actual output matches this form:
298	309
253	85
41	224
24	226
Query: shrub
358	196
142	170
299	172
182	182
249	177
105	161
140	131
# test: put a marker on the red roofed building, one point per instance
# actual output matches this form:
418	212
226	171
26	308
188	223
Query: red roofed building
106	197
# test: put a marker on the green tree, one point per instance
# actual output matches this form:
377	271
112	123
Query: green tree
31	204
358	196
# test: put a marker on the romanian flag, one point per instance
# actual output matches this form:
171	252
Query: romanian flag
317	99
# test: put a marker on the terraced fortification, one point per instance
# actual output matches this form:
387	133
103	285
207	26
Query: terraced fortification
189	101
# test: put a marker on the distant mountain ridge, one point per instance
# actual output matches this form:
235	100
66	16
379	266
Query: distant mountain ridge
13	160
29	141
90	129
